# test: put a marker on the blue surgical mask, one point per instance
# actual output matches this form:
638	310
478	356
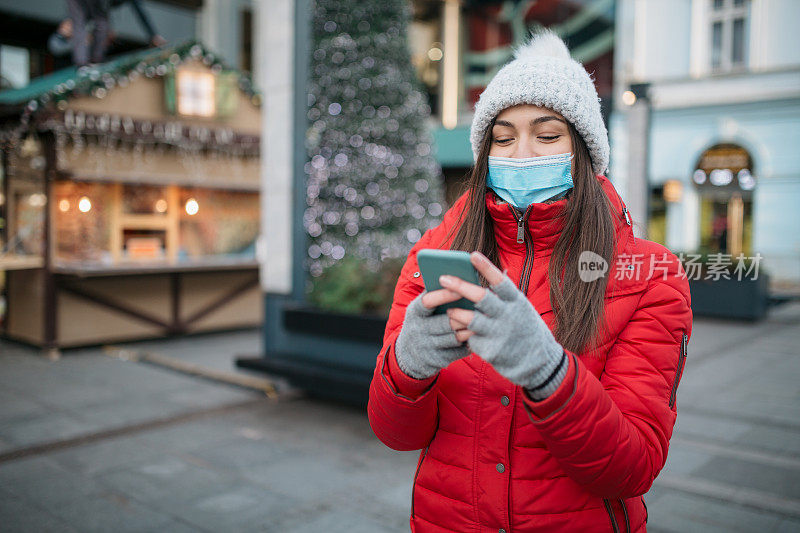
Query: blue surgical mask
522	182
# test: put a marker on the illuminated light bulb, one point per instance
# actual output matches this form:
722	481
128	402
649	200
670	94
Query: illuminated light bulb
84	204
63	205
37	200
628	98
161	205
435	54
192	207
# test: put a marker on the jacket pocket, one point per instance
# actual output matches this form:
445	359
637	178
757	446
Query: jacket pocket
679	370
414	483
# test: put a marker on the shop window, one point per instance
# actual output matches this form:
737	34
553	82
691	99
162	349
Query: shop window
82	222
109	224
218	223
725	180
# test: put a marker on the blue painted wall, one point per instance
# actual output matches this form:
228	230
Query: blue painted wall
770	131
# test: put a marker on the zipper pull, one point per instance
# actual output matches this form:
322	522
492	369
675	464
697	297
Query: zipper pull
521	231
627	216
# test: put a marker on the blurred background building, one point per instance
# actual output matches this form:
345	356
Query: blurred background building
130	187
705	126
701	98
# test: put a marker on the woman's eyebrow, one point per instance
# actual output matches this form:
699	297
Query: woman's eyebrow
546	118
534	122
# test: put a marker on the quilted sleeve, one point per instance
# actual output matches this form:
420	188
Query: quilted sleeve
402	411
612	435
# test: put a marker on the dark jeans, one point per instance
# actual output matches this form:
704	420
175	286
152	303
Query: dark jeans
82	12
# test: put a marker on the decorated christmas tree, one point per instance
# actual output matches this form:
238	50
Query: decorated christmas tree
374	186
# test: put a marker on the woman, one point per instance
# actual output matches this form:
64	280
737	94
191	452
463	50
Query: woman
551	405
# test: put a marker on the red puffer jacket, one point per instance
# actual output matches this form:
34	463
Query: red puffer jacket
493	459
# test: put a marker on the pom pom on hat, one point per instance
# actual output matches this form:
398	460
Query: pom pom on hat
542	73
545	43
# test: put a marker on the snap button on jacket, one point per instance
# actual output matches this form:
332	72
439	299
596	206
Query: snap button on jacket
580	460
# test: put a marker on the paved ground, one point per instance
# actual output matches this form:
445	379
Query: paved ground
170	452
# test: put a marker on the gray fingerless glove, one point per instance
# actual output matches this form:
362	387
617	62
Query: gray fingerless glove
513	338
426	342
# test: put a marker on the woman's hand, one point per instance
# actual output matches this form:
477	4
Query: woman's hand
506	330
426	343
460	318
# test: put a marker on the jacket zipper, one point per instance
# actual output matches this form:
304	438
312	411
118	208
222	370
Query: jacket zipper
624	208
646	516
510	496
611	515
527	266
414	483
679	370
625	514
522	233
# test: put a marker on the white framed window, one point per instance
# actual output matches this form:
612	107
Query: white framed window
196	93
729	34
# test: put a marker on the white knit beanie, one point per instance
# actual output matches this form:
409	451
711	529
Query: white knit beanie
542	73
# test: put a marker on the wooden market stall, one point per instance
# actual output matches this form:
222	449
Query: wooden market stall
131	200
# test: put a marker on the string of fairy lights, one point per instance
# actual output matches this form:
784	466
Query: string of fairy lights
98	80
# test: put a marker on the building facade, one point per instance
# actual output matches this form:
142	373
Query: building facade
705	127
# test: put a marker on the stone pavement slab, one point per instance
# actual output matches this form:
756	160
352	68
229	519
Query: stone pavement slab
682	513
734	457
208	352
86	391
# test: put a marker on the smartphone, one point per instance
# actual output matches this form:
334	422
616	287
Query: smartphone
434	263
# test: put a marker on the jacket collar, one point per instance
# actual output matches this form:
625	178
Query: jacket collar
545	221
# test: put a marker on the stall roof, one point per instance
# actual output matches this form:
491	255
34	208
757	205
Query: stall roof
63	83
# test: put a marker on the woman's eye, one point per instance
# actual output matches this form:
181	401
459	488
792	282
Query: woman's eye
501	141
549	138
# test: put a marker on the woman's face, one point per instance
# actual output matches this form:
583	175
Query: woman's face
527	130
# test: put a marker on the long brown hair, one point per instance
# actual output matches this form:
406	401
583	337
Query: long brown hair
578	306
